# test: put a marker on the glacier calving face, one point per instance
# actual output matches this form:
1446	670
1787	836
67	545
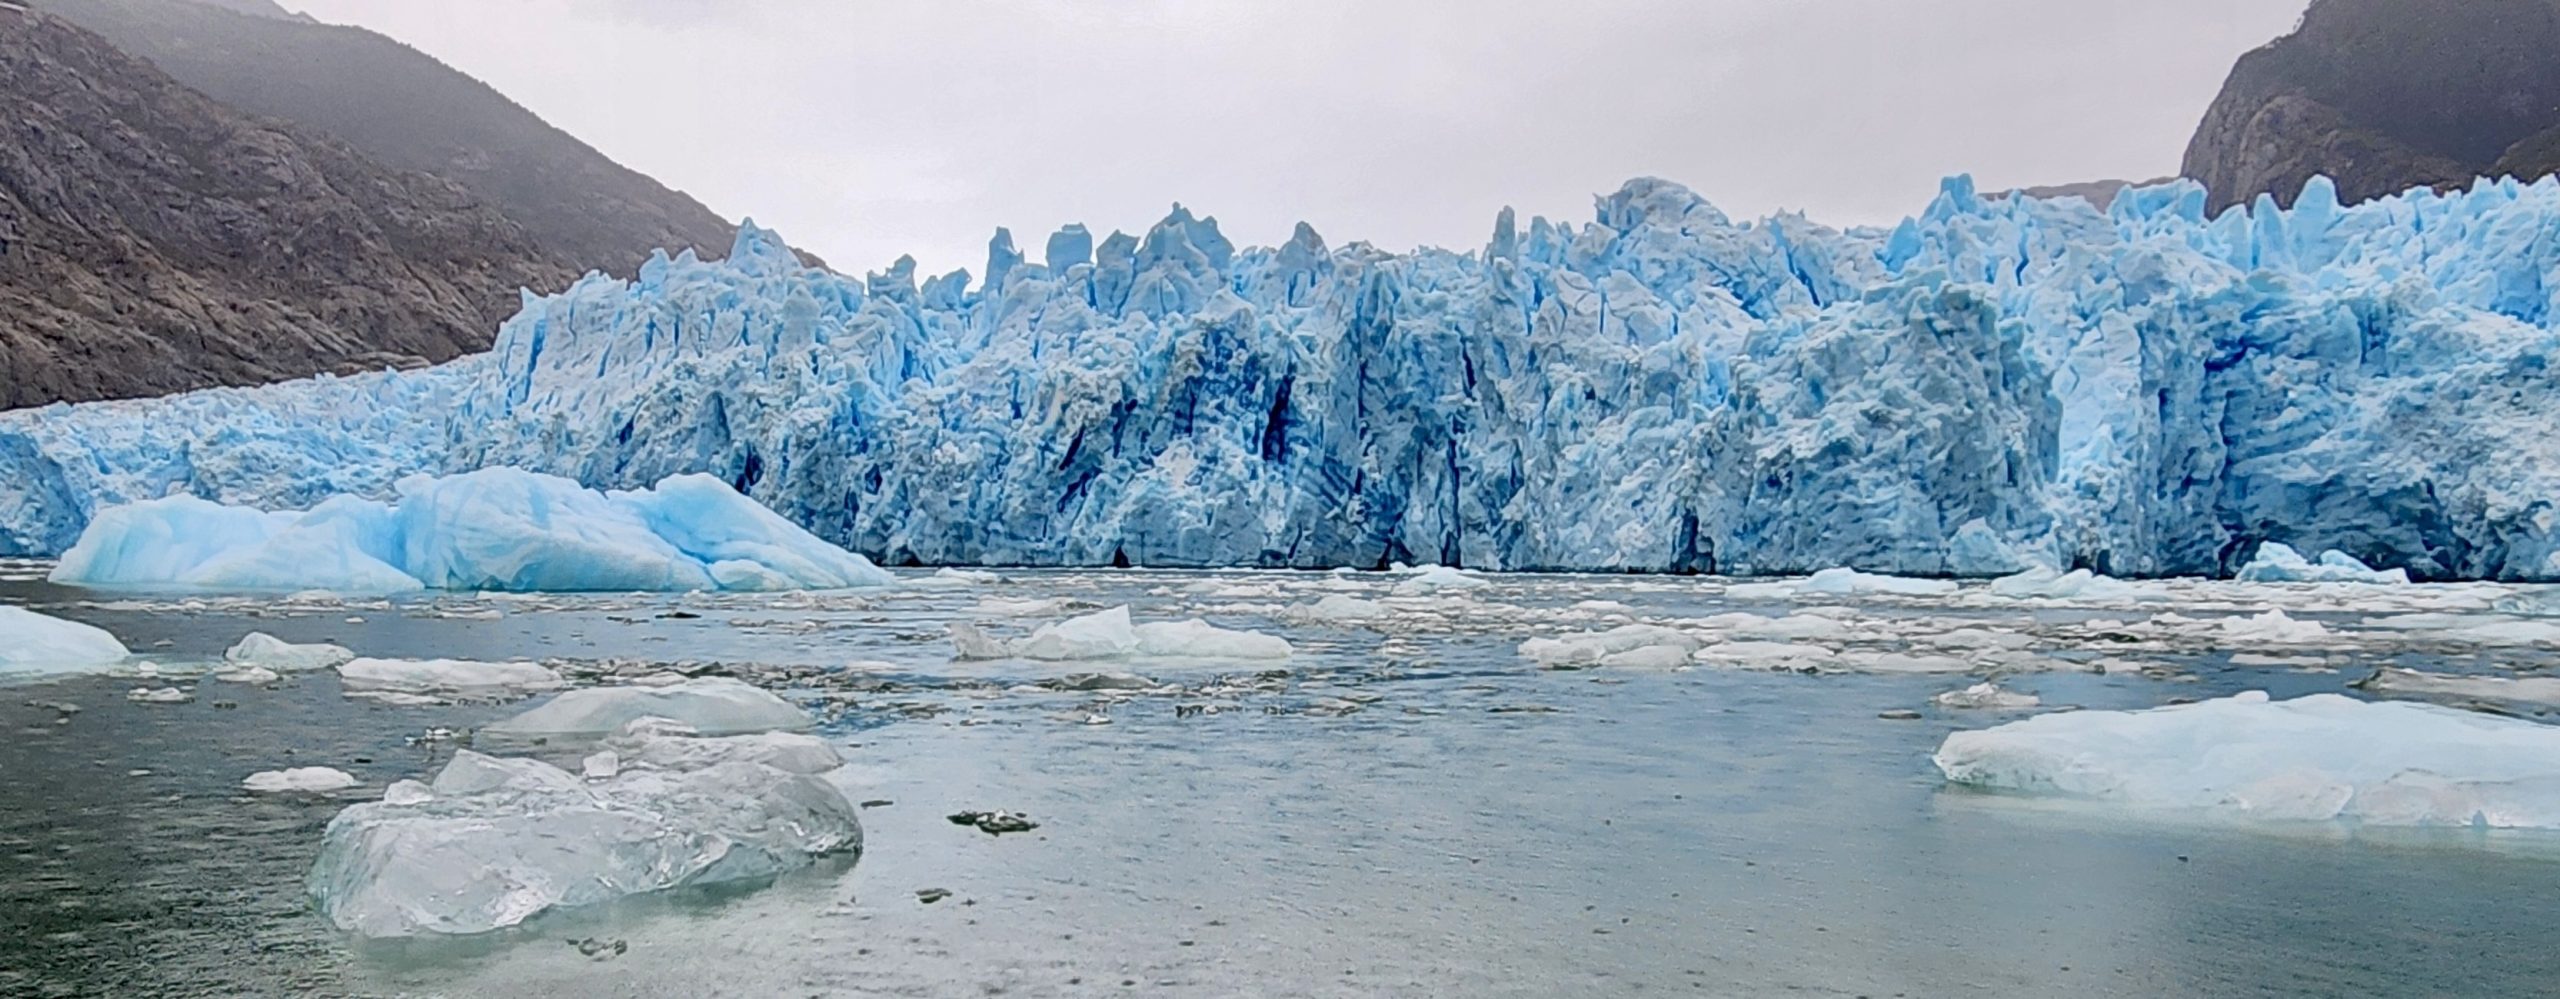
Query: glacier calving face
1991	386
493	529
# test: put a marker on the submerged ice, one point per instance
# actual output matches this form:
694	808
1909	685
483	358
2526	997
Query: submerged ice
493	529
1993	385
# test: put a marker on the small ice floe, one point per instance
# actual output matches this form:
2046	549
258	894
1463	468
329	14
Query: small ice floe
1775	656
1797	627
1440	579
266	651
446	678
600	765
1038	607
495	841
2527	691
2275	627
1637	646
1985	697
159	695
2313	759
712	706
2078	584
1842	583
2277	563
303	780
38	644
248	674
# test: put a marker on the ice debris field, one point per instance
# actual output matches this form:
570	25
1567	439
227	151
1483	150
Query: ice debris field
1992	385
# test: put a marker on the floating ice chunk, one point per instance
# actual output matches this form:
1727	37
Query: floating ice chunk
308	780
493	529
248	674
1101	635
1793	627
600	765
970	642
33	643
667	744
2540	691
1631	645
2312	759
2275	627
1038	607
2078	584
1198	639
2277	563
456	677
496	842
713	706
1440	579
1986	696
158	695
1862	661
1851	582
263	650
949	578
407	792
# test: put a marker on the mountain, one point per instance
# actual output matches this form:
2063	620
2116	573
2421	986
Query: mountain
153	240
408	111
2385	95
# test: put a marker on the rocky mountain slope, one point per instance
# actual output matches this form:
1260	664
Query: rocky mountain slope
153	240
406	110
2385	95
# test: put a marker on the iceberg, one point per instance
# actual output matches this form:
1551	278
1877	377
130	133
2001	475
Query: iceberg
32	643
299	780
1634	645
492	842
493	529
1993	383
710	705
2277	563
2321	758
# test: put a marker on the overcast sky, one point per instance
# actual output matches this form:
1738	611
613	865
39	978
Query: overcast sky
864	129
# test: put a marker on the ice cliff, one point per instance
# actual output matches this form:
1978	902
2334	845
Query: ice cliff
1993	384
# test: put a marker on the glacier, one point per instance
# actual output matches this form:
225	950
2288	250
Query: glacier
1995	385
492	529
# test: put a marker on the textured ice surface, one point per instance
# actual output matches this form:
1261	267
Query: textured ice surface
1986	696
1109	634
493	841
1992	385
2278	563
262	650
32	643
2312	759
709	705
493	529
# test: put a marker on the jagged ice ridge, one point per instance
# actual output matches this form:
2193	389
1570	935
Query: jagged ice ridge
1992	384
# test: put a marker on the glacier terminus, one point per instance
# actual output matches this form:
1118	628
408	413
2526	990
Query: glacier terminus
1994	385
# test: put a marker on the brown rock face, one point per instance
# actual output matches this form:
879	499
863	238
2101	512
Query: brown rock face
2385	95
153	240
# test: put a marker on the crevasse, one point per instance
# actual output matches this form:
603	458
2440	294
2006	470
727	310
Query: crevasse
1992	384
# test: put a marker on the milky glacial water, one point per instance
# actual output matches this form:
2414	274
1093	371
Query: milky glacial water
1410	808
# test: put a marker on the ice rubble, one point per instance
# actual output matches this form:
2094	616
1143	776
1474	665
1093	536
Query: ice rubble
1109	634
35	643
493	529
2277	563
2145	391
710	705
2312	759
495	841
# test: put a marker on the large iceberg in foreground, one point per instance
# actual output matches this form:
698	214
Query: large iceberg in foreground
495	841
493	529
2312	759
32	643
1991	385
